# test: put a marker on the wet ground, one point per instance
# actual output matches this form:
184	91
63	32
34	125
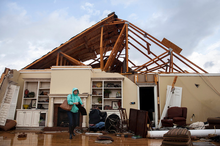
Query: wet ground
38	138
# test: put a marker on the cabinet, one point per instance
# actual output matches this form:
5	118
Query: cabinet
35	94
24	118
107	94
29	118
35	101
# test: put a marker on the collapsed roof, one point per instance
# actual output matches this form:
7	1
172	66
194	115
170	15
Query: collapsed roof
103	43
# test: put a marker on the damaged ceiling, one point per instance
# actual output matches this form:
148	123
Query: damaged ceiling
107	44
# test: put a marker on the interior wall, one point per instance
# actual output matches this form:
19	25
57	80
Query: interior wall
203	102
63	81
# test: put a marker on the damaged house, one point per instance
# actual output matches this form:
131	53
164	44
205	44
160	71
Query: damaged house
98	63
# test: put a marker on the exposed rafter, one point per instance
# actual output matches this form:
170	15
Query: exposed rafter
110	45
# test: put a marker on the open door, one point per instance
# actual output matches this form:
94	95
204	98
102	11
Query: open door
148	102
173	98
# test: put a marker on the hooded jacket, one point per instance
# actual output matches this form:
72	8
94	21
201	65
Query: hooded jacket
71	98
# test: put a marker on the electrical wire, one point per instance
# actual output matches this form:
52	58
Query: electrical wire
206	80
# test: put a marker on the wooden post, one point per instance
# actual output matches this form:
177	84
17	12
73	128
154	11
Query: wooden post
101	49
61	60
174	81
171	61
64	62
126	51
58	55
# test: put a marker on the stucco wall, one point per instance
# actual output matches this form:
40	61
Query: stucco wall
63	80
203	102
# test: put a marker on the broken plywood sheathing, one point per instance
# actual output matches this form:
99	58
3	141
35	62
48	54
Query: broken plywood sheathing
107	45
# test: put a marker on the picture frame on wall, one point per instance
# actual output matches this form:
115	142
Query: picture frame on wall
114	105
33	103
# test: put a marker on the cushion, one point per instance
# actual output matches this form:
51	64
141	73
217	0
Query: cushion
177	133
177	137
9	125
102	137
213	120
174	143
175	112
178	119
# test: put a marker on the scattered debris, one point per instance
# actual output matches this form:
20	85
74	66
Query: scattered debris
90	133
41	132
103	141
136	137
23	135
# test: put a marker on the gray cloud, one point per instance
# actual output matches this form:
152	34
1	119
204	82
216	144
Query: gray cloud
186	23
209	64
23	40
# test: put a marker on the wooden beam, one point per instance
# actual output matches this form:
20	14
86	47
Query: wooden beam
101	49
114	50
114	23
58	56
139	50
191	63
74	61
131	62
151	60
169	44
178	67
174	82
126	48
159	59
61	60
151	39
94	61
74	38
185	63
64	62
148	44
155	79
157	67
146	54
171	61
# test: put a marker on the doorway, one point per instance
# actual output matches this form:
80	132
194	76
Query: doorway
148	102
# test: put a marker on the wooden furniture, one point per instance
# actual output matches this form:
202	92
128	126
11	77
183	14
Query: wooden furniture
35	102
107	94
30	118
138	121
124	119
40	88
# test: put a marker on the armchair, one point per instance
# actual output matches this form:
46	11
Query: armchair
175	115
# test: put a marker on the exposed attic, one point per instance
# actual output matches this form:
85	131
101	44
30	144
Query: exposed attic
107	44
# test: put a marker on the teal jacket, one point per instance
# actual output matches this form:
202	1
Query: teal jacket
71	98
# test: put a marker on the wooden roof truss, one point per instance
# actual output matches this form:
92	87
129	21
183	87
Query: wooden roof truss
107	45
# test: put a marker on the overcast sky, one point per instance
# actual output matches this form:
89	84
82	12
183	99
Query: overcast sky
31	28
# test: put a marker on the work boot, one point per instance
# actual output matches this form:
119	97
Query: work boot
70	136
70	131
73	131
